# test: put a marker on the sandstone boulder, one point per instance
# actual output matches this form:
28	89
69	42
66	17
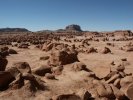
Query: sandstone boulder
120	68
125	82
106	50
44	58
57	70
58	57
100	88
42	70
118	94
23	67
78	66
130	91
49	76
92	50
12	51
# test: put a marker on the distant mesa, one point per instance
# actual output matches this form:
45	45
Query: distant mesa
13	30
69	28
73	27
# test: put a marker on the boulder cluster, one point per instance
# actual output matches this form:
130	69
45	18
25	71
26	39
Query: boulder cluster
15	77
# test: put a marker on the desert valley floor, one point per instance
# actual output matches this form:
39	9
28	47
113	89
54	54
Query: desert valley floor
87	77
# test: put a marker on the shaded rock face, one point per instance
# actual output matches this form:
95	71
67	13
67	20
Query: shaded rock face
4	51
12	51
5	79
3	63
68	97
73	28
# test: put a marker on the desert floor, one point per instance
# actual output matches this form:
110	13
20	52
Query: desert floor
68	81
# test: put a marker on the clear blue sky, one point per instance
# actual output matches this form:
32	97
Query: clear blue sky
98	15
